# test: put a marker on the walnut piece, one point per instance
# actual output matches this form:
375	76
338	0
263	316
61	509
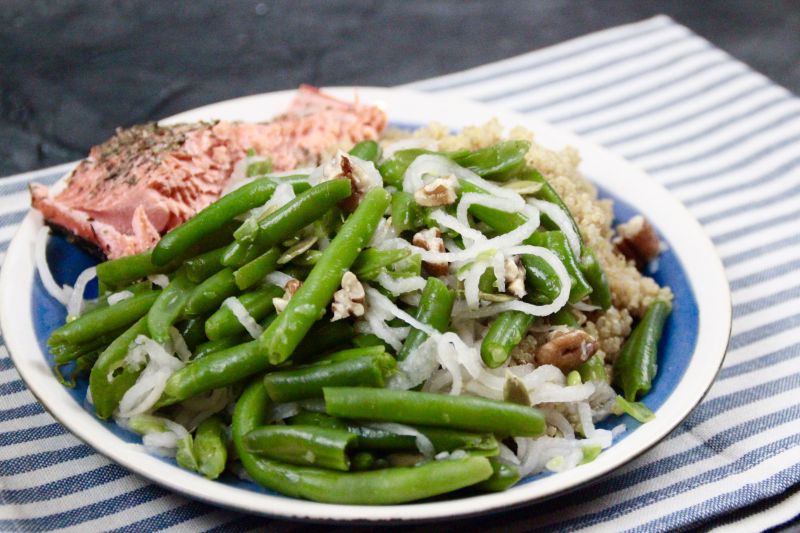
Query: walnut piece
515	277
349	300
441	191
567	350
363	177
637	240
431	240
288	291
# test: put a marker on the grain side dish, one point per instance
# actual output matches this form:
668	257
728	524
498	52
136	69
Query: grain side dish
358	315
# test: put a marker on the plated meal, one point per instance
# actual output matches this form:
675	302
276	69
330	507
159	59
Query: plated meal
353	313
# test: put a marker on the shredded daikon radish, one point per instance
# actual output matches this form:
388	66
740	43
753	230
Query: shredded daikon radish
424	444
117	297
278	278
501	204
160	280
439	166
379	301
562	220
424	143
62	294
582	306
243	316
460	227
506	455
144	394
551	393
398	286
181	349
75	303
282	411
416	368
618	430
560	422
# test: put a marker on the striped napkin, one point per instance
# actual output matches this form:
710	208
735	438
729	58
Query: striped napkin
723	139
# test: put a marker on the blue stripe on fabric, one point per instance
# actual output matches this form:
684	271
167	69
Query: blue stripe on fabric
172	517
765	302
536	62
721	404
728	144
761	249
89	512
31	434
12	188
764	275
6	364
756	226
723	123
13	218
586	89
747	461
770	359
735	166
729	501
37	461
774	327
65	486
635	136
12	387
751	206
596	67
621	119
22	411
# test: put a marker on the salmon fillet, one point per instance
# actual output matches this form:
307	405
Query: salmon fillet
147	179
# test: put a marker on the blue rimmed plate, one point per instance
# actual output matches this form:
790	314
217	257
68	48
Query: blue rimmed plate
692	348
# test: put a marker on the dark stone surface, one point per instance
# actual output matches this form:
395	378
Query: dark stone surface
72	71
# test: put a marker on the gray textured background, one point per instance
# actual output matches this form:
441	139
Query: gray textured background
72	71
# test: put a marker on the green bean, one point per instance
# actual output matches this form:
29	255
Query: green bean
434	309
256	270
564	317
639	411
409	407
193	332
209	347
64	353
541	280
497	161
594	369
307	382
259	168
636	365
322	337
100	321
298	213
210	450
353	353
366	340
110	378
393	169
179	240
504	476
548	194
374	487
504	334
556	242
367	150
168	307
208	295
203	266
302	445
223	323
125	270
147	424
596	277
362	461
371	262
215	370
406	213
309	302
308	418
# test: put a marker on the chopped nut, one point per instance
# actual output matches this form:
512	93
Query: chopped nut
431	240
349	300
289	289
362	179
515	277
637	241
566	350
441	191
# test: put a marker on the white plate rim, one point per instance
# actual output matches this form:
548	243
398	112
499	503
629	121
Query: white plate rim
694	249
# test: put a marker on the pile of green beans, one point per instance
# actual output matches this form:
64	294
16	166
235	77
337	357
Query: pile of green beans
313	412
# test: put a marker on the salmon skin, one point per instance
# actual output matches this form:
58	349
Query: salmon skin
149	178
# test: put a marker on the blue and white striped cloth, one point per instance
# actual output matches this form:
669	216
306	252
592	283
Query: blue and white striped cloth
722	138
